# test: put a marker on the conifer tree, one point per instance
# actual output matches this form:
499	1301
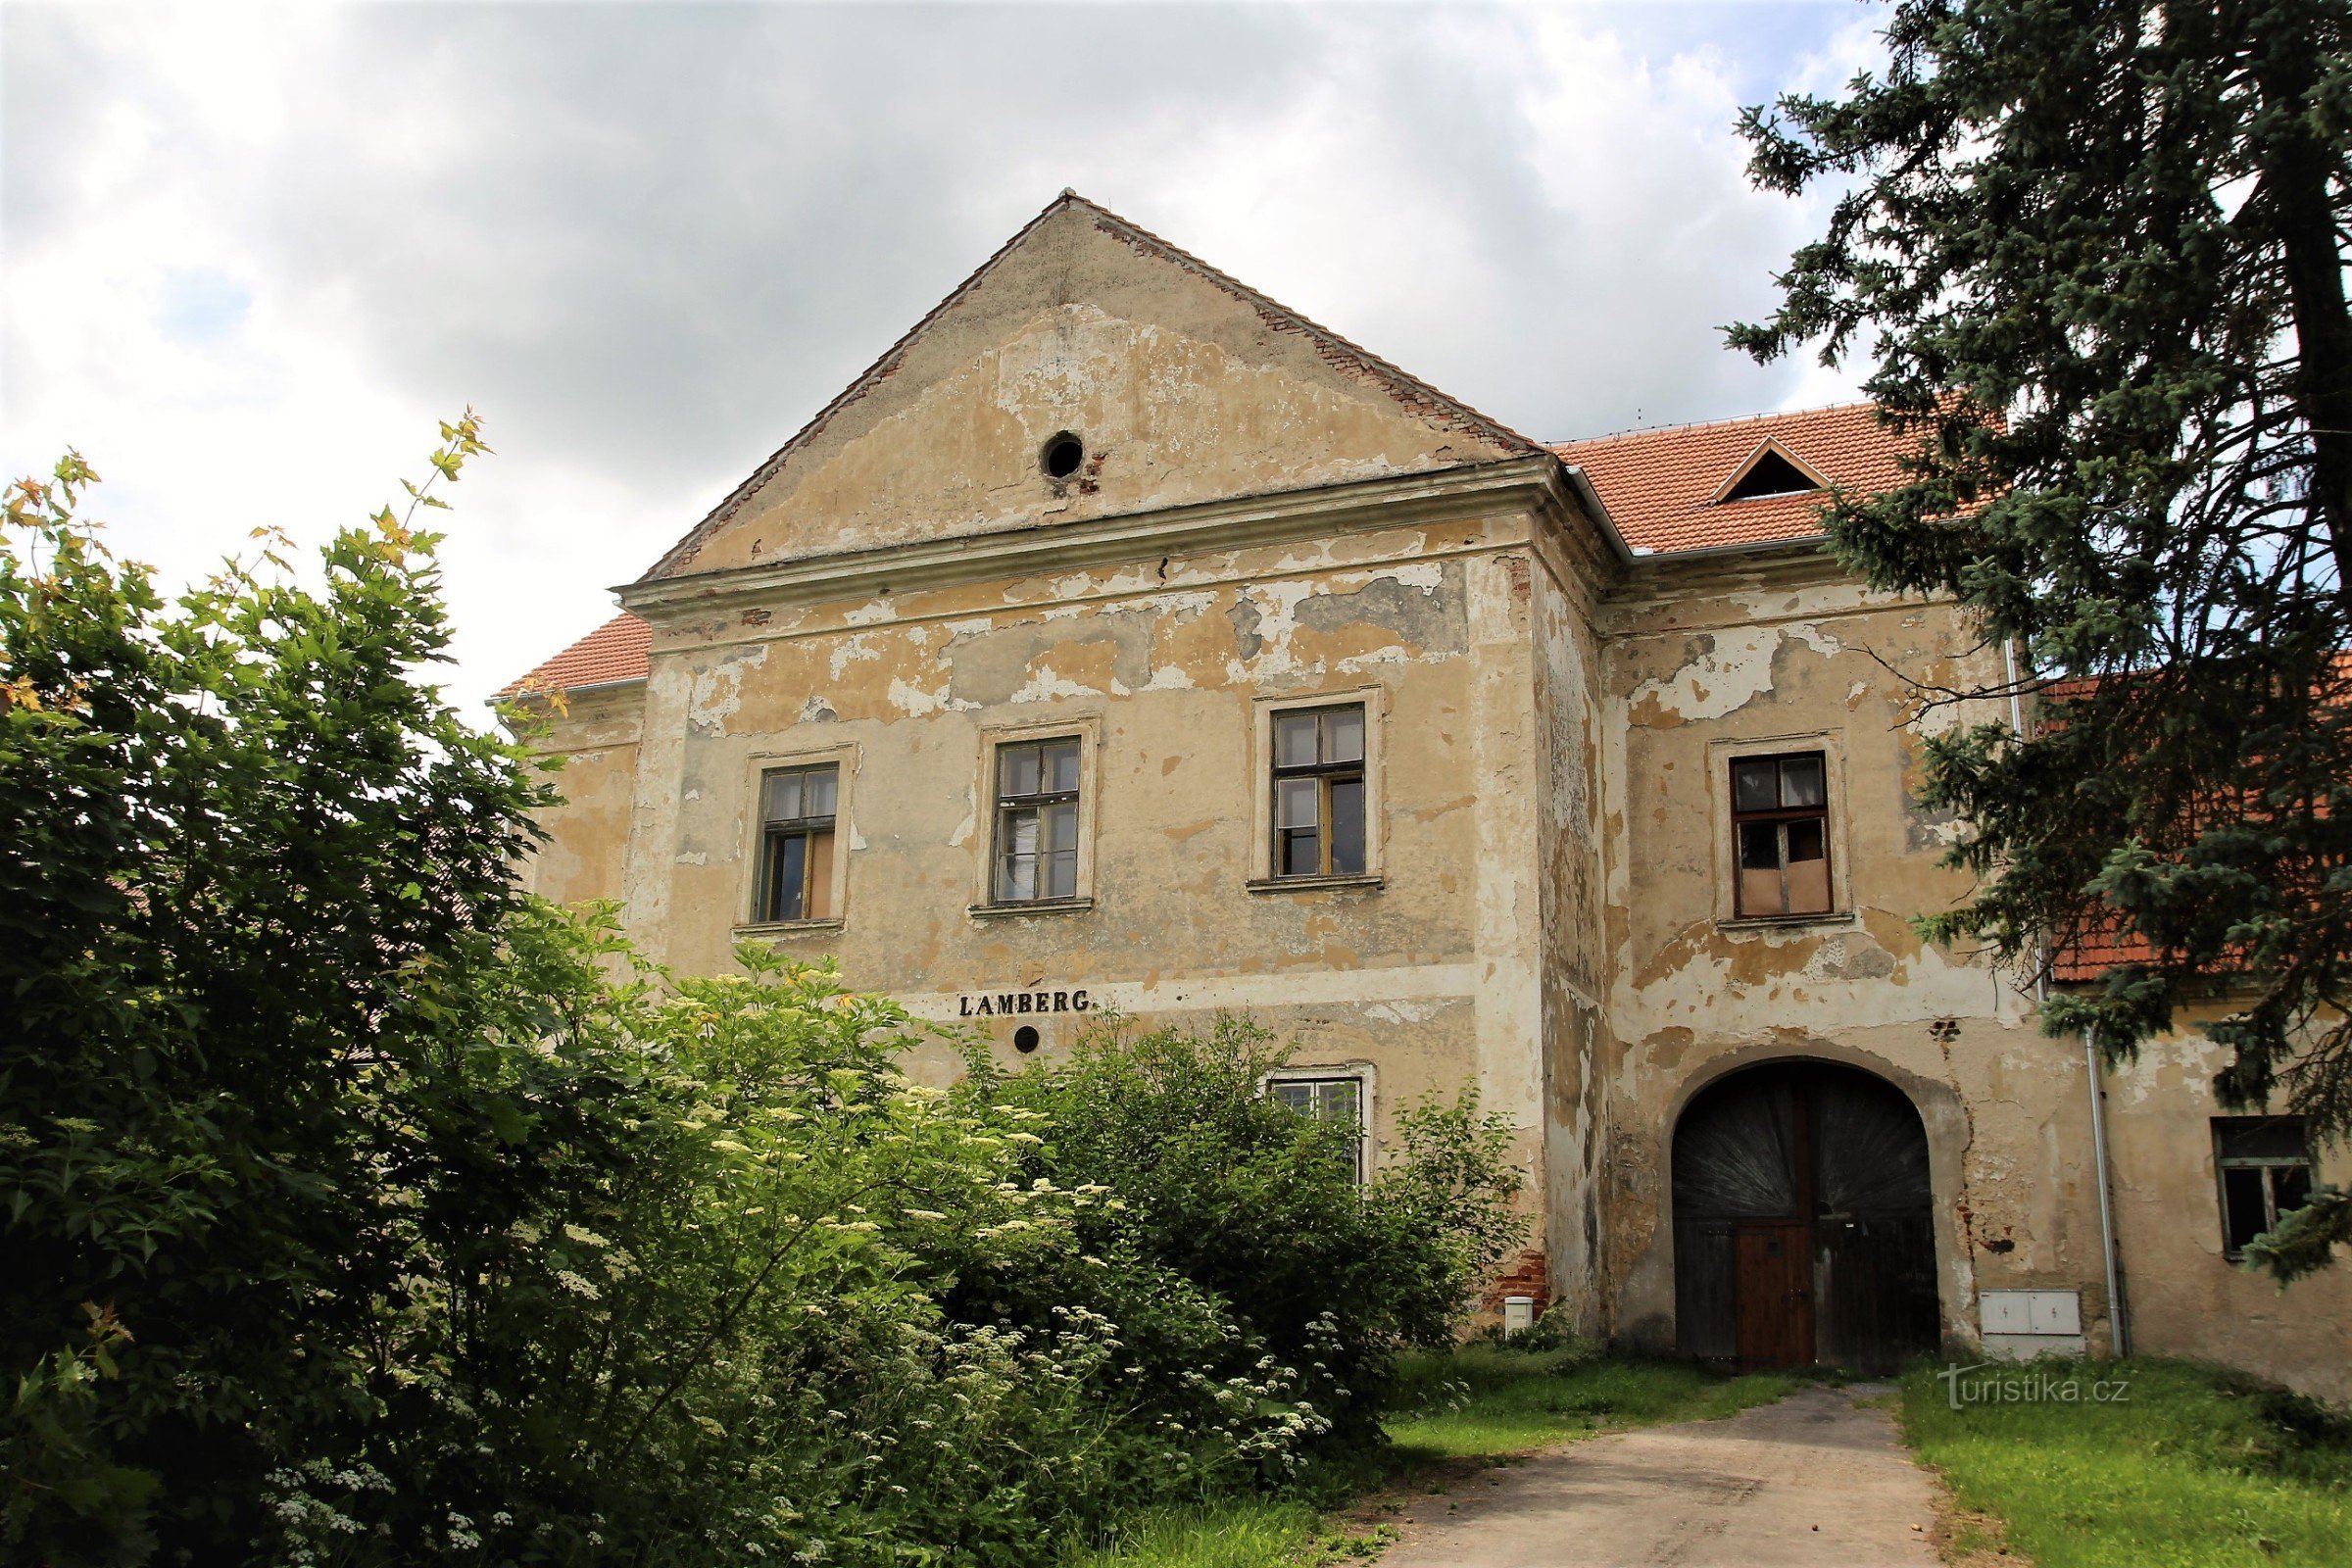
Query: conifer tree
2093	252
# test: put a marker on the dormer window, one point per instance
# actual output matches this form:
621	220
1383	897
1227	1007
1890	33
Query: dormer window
1770	471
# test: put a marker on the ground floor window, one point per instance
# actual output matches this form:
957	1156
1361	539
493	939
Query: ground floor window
1338	1098
2265	1168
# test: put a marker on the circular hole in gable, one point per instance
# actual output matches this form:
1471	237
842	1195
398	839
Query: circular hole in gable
1062	455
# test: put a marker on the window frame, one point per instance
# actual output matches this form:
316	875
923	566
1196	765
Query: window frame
1086	730
1363	1074
843	759
1265	855
2267	1165
1722	757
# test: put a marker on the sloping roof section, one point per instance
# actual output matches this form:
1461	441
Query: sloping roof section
614	653
1660	485
1062	322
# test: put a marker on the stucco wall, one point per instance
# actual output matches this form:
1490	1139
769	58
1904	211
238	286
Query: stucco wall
592	748
1705	659
2184	1296
1431	977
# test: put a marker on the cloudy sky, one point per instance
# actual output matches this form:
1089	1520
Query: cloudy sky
250	255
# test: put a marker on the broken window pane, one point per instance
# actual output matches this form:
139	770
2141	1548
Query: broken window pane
1801	781
2265	1165
1780	835
2244	1217
1755	786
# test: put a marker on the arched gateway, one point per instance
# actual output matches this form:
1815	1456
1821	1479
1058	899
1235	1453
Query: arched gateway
1803	1222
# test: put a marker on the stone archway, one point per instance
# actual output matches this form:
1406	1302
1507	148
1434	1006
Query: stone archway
1804	1221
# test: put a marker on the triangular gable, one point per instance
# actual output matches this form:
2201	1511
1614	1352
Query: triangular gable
1769	470
1181	383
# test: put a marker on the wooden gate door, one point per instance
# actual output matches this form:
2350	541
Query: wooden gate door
1774	1296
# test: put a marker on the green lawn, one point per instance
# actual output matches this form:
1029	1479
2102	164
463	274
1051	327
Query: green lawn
1483	1399
1478	1402
2193	1469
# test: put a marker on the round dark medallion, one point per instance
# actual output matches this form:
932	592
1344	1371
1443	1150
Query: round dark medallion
1024	1039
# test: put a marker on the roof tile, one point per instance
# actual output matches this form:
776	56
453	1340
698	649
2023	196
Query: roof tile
1659	485
616	651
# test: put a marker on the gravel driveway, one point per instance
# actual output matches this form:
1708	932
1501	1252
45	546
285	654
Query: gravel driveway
1815	1480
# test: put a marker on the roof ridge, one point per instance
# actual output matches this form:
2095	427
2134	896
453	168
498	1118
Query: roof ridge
1399	380
1632	431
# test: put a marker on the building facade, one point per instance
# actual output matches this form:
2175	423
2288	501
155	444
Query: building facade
1124	642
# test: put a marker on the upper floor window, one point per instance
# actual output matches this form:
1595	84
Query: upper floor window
1319	792
2265	1168
1036	821
796	843
1339	1099
1781	834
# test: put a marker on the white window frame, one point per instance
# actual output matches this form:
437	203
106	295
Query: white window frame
1087	730
843	758
1374	700
1366	1078
1721	754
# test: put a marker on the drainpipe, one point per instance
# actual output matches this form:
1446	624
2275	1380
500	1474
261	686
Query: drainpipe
2119	1324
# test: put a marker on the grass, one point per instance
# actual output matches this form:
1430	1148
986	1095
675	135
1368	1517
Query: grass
2193	1468
1483	1400
1467	1406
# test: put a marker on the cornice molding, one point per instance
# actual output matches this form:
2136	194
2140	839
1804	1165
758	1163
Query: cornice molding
1532	484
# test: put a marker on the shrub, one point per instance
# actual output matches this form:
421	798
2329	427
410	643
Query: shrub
357	1208
1259	1206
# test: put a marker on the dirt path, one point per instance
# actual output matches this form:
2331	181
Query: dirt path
1814	1479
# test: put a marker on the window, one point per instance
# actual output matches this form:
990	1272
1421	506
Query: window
796	843
2265	1168
1781	834
1319	792
1771	474
1037	821
1333	1099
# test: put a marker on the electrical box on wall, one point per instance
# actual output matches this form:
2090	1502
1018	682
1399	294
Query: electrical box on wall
2019	1325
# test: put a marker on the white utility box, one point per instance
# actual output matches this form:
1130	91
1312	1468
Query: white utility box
2020	1325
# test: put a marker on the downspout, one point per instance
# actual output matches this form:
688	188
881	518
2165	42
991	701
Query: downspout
2119	1322
2095	1073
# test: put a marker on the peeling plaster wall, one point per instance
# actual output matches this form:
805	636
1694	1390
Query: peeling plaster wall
1705	658
1575	977
1181	390
2184	1296
592	750
1553	743
1431	977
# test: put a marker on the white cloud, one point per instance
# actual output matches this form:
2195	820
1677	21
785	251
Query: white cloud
252	254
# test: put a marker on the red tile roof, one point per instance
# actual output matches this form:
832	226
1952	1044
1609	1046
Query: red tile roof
1660	485
2095	952
613	653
